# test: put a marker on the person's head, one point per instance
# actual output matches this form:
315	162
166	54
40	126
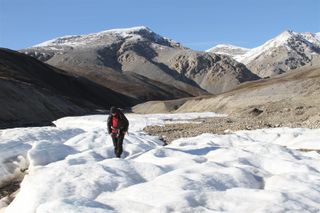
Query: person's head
113	111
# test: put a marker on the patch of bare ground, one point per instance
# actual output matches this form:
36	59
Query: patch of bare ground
9	190
250	119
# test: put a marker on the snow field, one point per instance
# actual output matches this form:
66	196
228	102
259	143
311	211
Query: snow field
72	169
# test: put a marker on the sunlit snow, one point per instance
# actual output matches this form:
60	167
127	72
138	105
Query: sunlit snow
72	169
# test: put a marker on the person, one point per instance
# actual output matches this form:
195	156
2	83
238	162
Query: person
117	128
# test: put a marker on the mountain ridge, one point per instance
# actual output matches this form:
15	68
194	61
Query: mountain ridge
139	50
34	93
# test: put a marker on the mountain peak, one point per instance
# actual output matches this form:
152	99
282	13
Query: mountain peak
135	29
108	36
288	32
283	37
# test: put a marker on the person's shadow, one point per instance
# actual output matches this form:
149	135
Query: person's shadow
124	154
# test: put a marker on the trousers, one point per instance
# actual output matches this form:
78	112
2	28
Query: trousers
117	143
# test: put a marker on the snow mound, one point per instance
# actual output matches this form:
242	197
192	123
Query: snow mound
45	152
15	144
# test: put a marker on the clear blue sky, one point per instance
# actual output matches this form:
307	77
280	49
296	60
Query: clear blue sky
198	24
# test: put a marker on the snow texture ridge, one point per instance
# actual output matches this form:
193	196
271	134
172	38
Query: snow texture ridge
73	169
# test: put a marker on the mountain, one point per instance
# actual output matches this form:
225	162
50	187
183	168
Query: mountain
119	57
227	49
287	51
212	72
34	93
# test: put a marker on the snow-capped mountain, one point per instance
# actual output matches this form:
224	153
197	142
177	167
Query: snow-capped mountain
292	41
105	38
140	51
228	49
134	33
285	52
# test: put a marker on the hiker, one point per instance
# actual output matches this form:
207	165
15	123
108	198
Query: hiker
117	127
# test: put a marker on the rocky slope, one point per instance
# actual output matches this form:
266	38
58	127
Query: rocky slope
34	93
287	51
138	50
291	99
214	73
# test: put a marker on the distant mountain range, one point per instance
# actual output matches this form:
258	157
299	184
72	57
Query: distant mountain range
84	73
285	52
118	58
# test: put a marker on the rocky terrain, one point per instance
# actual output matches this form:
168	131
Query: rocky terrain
299	117
119	56
212	72
288	100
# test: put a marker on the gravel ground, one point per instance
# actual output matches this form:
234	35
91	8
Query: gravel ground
255	118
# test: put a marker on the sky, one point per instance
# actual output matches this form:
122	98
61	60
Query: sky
197	24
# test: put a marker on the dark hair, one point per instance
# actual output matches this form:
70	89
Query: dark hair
113	109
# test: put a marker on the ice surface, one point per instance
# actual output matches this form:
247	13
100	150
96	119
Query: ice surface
73	169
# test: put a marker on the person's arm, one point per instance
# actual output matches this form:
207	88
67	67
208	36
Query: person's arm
126	124
109	124
125	121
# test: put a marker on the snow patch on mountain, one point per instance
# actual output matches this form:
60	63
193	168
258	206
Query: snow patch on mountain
134	34
228	49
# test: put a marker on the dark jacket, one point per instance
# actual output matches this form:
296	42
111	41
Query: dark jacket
123	122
